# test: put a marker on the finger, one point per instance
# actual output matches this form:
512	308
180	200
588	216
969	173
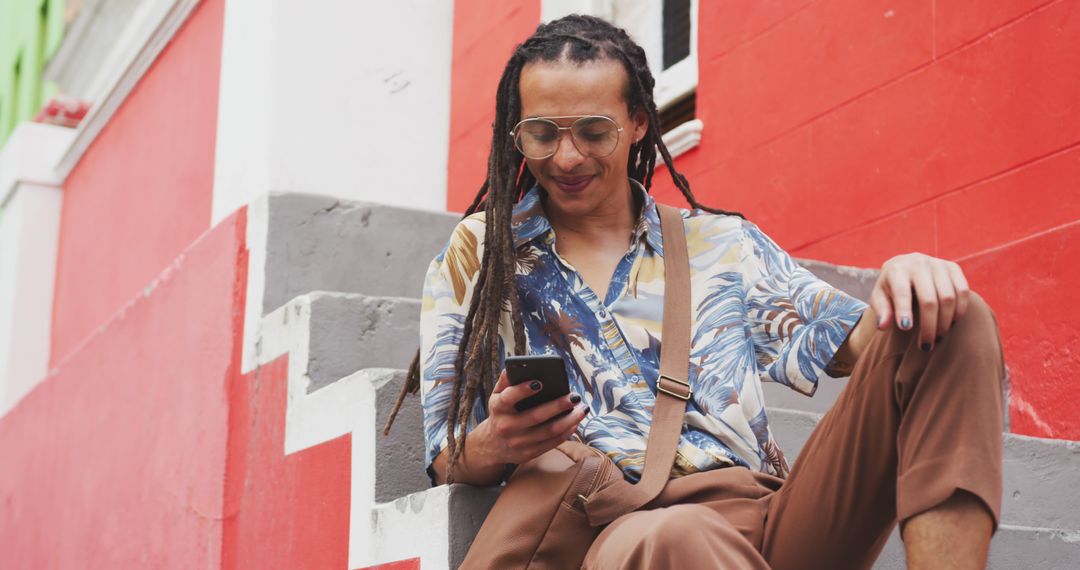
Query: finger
963	291
926	296
898	284
548	410
562	430
502	384
561	424
946	295
882	307
531	427
510	396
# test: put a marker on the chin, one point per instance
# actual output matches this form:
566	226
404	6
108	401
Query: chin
570	200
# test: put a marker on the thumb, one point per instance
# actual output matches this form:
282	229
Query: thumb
501	384
882	307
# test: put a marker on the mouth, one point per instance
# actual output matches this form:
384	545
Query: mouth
572	184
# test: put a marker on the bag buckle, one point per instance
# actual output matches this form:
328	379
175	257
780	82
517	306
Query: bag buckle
680	388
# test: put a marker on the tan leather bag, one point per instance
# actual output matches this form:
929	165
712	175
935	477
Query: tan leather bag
554	506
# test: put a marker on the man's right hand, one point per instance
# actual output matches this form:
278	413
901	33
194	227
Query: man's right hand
510	436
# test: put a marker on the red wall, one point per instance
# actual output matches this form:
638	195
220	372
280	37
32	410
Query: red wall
855	131
117	460
285	511
485	33
143	190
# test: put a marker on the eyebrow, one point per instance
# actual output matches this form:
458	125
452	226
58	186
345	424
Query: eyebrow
568	116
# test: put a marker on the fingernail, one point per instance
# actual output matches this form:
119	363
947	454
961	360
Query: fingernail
925	347
575	399
587	410
881	321
905	323
535	385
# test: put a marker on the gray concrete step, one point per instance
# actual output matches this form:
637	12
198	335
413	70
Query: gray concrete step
1038	474
1012	548
320	243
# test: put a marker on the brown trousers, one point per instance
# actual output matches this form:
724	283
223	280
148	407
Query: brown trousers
909	430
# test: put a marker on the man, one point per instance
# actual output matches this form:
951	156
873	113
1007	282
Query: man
563	255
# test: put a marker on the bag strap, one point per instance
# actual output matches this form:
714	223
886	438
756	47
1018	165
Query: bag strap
672	387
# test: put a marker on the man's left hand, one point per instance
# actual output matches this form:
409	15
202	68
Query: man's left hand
937	287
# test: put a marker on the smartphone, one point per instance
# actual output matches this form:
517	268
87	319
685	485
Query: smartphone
548	369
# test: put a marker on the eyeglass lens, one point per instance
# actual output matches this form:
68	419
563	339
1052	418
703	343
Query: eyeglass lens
595	137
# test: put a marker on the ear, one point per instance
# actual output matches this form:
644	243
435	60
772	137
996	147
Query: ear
640	119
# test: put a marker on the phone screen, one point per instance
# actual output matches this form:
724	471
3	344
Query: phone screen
548	369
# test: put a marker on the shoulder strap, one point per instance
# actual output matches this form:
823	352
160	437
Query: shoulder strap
673	388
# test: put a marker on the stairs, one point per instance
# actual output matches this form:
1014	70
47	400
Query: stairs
339	295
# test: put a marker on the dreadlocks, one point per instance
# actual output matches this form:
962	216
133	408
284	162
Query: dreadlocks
575	39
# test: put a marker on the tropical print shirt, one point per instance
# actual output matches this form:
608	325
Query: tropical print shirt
758	316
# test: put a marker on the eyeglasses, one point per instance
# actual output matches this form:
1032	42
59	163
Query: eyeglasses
595	136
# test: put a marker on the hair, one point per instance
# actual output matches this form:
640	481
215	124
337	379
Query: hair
575	39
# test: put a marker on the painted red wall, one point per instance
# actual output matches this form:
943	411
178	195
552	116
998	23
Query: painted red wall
117	460
485	33
854	131
284	511
143	190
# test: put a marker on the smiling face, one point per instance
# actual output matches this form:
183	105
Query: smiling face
578	185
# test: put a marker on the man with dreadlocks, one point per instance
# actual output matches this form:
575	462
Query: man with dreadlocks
561	253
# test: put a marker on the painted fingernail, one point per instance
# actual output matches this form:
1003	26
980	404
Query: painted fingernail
587	410
535	385
905	323
575	399
925	347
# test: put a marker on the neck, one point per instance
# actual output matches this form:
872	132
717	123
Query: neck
615	218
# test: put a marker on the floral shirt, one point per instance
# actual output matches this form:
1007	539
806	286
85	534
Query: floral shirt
757	316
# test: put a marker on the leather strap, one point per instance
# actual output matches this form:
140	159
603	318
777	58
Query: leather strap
673	389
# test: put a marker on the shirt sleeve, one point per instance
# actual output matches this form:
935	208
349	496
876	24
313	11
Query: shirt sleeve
448	287
798	321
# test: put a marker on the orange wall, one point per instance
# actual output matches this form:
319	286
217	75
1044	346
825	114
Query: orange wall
143	190
854	131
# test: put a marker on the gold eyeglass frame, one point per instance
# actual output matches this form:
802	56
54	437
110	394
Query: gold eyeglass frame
573	140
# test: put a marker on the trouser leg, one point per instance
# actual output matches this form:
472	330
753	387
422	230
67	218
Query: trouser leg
680	536
909	430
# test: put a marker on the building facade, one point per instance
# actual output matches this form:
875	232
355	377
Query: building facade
251	175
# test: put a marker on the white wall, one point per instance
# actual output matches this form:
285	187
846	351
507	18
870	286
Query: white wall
337	97
31	197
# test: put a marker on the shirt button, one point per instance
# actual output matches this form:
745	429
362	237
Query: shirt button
602	314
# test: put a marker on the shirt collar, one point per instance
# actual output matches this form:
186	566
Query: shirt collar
529	221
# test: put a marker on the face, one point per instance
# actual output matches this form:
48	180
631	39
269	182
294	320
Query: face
577	184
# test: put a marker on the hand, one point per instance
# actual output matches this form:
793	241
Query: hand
940	291
510	436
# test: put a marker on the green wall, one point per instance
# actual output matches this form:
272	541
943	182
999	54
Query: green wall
30	32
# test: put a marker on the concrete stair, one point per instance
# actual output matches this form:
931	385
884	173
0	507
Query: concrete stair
361	315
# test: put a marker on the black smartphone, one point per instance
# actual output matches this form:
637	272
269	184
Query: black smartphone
548	369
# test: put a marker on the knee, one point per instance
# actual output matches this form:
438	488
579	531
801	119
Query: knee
674	525
680	536
976	332
659	536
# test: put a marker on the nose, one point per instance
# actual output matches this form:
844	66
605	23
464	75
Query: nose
567	157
